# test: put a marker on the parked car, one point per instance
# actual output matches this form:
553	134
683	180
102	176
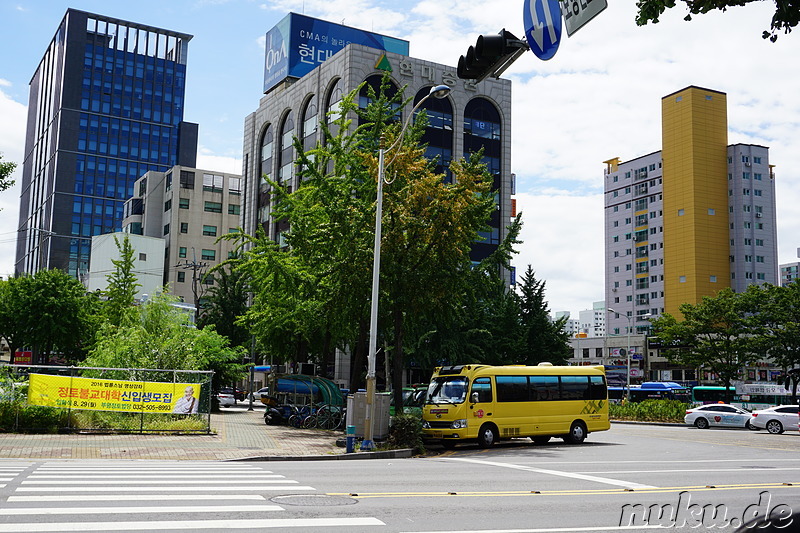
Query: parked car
257	395
776	419
718	414
238	394
225	399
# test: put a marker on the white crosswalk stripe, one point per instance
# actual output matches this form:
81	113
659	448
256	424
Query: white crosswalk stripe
152	496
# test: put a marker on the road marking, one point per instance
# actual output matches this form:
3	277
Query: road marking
740	469
157	488
575	492
139	510
549	530
91	480
160	475
135	497
163	525
585	477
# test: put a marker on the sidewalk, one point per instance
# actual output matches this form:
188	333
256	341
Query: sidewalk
240	434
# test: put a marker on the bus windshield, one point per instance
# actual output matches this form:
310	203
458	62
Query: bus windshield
447	389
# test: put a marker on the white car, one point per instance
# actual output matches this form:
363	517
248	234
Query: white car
718	414
225	399
776	419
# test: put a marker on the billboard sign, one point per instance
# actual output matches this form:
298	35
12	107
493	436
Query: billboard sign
113	395
298	44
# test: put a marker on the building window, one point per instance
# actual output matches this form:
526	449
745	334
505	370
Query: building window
756	160
187	179
680	212
213	207
184	227
712	279
210	231
142	256
760	275
212	182
182	252
682	279
183	203
166	229
208	255
168	205
233	209
757	192
181	277
759	242
235	185
712	211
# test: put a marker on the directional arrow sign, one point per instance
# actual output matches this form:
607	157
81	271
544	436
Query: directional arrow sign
542	26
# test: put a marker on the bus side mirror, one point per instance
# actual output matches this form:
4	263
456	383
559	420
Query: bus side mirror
474	397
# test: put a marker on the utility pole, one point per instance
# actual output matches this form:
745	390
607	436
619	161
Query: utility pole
195	267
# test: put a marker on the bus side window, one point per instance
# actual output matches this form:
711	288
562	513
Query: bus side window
597	388
483	387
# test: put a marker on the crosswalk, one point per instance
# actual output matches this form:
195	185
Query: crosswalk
59	496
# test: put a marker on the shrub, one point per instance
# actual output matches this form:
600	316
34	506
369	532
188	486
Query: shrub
649	411
15	416
406	432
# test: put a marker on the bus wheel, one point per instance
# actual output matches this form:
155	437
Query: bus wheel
487	436
541	439
577	433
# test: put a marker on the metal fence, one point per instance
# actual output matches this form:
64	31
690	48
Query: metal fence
43	398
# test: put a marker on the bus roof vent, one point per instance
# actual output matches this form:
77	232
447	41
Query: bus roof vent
545	363
450	370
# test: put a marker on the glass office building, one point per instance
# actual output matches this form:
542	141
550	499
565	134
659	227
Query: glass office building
105	107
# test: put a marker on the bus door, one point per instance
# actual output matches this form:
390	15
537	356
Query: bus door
481	403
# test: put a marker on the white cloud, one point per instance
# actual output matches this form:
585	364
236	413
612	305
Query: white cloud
12	142
207	160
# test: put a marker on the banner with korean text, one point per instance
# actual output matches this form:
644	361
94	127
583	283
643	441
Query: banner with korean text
113	395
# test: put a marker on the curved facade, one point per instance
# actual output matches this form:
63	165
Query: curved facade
473	116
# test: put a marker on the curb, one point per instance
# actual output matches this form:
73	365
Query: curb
636	422
404	453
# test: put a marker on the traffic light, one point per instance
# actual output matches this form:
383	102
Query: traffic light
491	56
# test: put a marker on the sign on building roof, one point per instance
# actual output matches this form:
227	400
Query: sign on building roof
298	44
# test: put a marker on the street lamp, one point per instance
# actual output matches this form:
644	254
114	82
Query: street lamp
439	91
627	353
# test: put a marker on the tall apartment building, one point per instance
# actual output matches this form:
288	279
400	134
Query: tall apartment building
105	106
593	321
188	208
310	66
689	220
790	272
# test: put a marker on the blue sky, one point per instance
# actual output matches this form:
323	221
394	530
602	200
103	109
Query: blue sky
598	98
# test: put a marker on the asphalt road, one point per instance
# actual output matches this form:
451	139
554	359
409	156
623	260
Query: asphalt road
624	479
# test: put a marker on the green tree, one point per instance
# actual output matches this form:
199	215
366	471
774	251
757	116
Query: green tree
786	17
6	168
543	339
161	337
226	303
14	316
122	284
716	334
50	313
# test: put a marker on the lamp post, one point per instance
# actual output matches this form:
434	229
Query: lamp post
439	91
627	353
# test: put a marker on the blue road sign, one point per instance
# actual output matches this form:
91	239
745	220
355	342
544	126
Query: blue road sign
542	26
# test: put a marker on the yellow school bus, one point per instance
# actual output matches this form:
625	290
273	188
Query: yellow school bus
489	403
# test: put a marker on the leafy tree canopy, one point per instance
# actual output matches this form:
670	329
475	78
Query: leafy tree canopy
786	17
6	168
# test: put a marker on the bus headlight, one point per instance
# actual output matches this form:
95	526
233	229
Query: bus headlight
461	423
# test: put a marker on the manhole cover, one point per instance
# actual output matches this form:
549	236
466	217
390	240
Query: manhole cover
318	500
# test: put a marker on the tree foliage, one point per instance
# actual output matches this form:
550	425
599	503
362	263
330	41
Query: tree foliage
543	339
161	337
786	17
6	168
122	284
727	332
226	302
50	313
